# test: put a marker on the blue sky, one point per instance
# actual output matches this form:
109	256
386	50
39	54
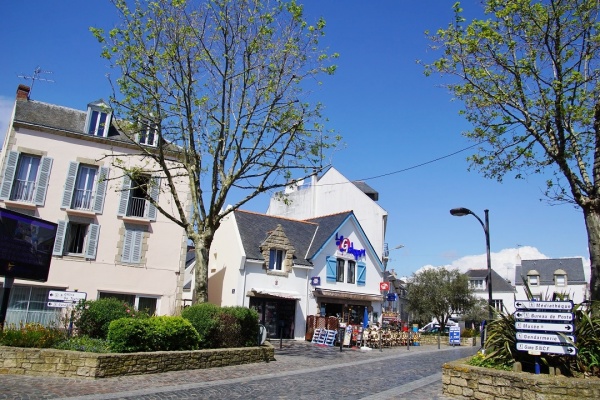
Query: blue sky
392	118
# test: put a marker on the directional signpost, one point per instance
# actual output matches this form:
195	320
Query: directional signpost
63	299
545	327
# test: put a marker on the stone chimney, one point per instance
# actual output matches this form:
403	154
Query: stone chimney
23	92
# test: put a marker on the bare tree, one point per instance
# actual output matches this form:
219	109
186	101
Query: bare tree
221	85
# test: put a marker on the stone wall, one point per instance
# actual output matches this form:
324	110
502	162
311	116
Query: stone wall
444	340
462	381
64	363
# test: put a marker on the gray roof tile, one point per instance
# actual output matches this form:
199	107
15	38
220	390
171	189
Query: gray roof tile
546	268
499	284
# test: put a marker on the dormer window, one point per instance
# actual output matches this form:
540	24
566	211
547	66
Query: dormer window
276	259
533	278
560	278
148	135
98	119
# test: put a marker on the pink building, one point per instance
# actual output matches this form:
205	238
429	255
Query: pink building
57	164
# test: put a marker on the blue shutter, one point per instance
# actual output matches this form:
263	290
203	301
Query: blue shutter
361	273
9	174
92	241
42	181
69	184
127	241
154	190
101	190
60	238
331	268
124	196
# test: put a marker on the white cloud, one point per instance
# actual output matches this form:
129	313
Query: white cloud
503	262
6	107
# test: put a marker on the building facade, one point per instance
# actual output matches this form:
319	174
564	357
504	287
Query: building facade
111	241
289	269
503	293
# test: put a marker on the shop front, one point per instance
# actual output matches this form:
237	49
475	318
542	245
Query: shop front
276	311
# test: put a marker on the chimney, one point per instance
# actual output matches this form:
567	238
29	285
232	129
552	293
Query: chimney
23	92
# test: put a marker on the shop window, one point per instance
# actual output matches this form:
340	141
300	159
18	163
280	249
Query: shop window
340	270
276	259
351	271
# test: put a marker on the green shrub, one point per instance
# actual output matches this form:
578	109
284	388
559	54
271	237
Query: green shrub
247	320
205	319
468	333
163	333
31	335
93	317
84	343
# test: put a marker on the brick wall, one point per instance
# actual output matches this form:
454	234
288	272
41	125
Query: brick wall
462	381
52	362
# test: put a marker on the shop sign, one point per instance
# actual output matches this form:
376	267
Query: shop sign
346	246
315	281
384	286
392	297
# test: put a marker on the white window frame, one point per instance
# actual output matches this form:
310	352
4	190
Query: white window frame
533	280
340	267
92	123
136	303
351	271
276	257
36	194
90	241
148	131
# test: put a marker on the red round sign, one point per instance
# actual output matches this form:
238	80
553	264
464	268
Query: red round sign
384	286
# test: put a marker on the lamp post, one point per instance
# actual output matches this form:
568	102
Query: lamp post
460	212
385	260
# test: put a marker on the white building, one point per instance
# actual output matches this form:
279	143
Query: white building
111	241
289	269
329	193
552	278
503	293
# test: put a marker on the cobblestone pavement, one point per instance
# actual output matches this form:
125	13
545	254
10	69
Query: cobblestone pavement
302	370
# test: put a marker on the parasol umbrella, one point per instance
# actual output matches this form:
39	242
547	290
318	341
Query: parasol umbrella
365	318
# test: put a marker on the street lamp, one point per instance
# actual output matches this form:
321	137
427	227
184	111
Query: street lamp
461	212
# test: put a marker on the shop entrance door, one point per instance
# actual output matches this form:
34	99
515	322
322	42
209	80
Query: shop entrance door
277	315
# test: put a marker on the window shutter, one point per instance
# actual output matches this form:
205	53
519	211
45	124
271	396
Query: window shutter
124	196
59	241
92	241
127	241
154	190
69	185
362	273
41	186
9	174
331	268
101	190
136	251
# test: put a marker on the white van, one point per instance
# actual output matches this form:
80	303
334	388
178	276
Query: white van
434	324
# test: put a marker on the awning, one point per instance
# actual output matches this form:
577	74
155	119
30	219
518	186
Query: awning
338	294
283	294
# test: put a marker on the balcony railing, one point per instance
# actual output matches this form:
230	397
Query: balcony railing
137	207
23	191
82	199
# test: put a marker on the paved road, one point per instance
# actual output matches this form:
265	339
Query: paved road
302	371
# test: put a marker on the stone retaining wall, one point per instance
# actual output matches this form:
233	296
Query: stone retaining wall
462	381
64	363
444	340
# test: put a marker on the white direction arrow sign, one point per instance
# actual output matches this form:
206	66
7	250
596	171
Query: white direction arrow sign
547	348
544	305
73	297
545	315
544	326
58	304
545	337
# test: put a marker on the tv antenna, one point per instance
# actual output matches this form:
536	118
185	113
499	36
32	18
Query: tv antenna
36	77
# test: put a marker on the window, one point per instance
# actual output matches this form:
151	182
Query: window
142	303
85	187
351	271
76	238
477	284
498	304
98	119
25	178
340	270
560	278
136	195
275	259
148	135
132	244
29	304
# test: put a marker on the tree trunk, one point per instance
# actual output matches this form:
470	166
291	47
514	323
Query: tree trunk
201	249
592	224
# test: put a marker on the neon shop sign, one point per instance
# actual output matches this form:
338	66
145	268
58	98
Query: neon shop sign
346	246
